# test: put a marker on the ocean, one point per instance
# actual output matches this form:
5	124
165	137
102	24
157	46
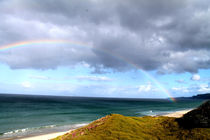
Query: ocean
28	115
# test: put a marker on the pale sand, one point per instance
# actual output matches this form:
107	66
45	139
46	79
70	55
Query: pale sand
176	114
45	136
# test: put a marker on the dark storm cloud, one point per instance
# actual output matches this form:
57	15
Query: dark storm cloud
162	35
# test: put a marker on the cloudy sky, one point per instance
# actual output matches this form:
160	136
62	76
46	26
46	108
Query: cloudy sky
135	48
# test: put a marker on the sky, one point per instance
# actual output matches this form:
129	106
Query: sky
105	48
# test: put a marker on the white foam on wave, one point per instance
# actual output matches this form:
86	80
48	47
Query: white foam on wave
148	113
81	124
16	131
24	130
157	113
35	130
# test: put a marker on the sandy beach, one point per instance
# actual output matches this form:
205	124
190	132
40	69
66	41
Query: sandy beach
176	114
46	136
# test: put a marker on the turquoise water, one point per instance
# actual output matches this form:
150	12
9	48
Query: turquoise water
22	115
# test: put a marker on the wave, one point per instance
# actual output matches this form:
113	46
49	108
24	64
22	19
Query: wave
148	113
157	113
27	129
40	130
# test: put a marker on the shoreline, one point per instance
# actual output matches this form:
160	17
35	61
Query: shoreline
177	114
48	136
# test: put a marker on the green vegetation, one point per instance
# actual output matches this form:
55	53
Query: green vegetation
119	127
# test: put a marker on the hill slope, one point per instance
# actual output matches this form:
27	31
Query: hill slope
199	117
115	127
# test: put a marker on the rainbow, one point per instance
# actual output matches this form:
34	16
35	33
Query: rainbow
39	42
155	81
49	41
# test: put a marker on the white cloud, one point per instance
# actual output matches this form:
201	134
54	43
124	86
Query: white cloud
204	88
145	88
26	84
94	78
175	88
180	89
195	77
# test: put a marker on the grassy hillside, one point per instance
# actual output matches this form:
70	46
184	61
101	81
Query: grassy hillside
119	127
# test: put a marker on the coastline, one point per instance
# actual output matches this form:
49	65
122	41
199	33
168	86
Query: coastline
46	136
175	114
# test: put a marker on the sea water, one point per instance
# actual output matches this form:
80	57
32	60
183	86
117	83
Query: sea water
27	115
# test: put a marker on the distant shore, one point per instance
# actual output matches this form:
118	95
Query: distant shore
176	114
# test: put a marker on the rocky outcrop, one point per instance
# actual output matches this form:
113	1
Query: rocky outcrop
196	118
